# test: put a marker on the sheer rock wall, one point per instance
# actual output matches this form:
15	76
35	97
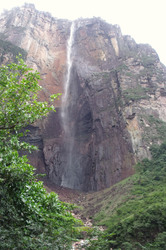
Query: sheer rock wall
117	103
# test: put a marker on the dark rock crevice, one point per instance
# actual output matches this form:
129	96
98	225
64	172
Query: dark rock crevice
115	86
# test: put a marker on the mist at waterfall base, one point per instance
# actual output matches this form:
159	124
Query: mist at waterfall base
143	20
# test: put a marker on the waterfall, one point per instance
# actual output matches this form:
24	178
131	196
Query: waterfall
65	97
68	139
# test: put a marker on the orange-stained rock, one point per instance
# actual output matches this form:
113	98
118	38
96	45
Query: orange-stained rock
117	97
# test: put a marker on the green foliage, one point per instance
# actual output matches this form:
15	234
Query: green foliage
155	131
8	47
122	67
147	60
140	221
159	243
135	93
19	105
99	240
159	126
30	218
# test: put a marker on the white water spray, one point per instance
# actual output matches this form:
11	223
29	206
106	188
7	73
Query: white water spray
68	140
65	98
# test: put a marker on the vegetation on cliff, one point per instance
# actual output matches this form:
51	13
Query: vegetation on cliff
7	47
30	218
134	211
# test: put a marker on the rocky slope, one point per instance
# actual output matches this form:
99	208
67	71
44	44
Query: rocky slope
116	101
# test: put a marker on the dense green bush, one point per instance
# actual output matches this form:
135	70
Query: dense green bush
8	47
143	219
135	93
140	222
30	218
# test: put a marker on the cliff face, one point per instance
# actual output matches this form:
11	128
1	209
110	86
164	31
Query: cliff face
43	38
116	103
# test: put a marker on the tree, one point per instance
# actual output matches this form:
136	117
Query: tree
19	105
30	218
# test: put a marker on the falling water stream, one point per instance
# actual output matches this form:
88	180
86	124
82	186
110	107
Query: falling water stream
65	97
65	111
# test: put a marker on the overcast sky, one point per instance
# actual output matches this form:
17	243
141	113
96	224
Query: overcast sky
144	20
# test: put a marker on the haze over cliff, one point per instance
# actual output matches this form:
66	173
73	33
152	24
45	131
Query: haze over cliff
116	100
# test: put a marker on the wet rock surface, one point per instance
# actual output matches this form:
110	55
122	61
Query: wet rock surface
116	96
